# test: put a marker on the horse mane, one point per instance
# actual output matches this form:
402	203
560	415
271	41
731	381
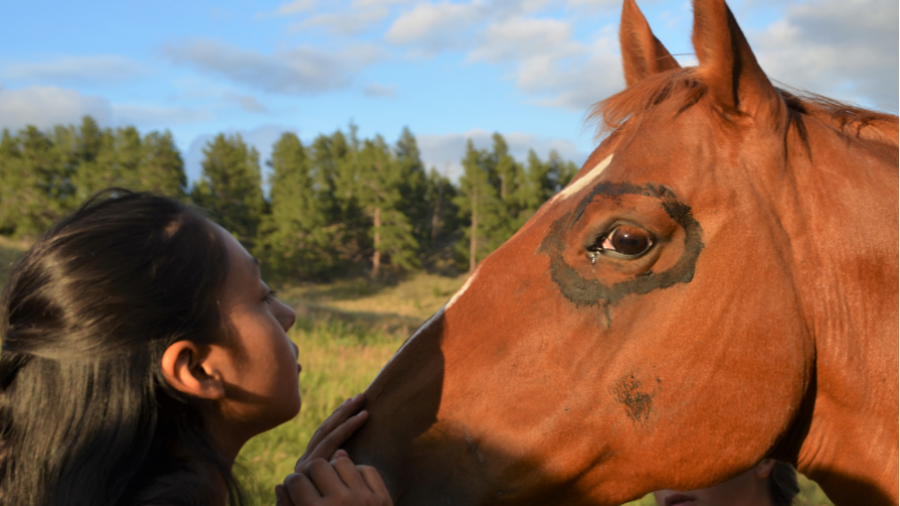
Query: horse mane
685	85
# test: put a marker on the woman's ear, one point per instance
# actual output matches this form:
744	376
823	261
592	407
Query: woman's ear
186	368
764	468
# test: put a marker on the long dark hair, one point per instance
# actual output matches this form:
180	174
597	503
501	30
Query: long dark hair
86	416
783	486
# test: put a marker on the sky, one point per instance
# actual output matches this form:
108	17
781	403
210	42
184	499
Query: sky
529	69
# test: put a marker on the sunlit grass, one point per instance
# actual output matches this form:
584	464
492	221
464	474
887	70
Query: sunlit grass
9	251
339	360
417	297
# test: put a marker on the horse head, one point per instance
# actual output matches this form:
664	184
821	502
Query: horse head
717	285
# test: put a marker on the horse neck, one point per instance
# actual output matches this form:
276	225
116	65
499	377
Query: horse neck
839	208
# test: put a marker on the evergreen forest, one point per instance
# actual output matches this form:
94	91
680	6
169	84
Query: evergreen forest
339	206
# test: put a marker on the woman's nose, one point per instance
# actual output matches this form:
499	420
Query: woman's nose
288	316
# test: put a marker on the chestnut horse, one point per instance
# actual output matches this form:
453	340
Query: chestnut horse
719	284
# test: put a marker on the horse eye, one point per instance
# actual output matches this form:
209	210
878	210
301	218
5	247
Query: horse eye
625	240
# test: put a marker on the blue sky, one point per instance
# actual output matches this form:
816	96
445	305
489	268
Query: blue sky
529	69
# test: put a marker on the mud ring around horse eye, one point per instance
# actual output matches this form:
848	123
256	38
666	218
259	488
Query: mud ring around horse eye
587	292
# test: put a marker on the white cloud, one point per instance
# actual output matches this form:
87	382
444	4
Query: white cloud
549	64
520	37
245	102
844	49
432	28
45	106
598	4
99	69
155	116
541	52
378	3
376	90
295	7
300	71
345	23
577	83
445	152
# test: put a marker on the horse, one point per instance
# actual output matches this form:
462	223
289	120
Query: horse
718	284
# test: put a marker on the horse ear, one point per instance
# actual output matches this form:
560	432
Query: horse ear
727	65
642	53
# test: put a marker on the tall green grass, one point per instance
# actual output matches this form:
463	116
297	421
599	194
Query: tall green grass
340	358
10	251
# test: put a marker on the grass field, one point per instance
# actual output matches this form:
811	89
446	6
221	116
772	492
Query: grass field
345	332
9	251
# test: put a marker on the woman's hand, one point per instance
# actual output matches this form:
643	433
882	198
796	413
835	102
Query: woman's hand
333	432
335	483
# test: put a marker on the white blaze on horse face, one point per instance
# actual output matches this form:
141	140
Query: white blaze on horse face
586	180
434	317
462	290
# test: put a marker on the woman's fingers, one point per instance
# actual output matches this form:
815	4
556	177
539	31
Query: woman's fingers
326	480
376	485
329	444
340	414
349	474
300	491
338	483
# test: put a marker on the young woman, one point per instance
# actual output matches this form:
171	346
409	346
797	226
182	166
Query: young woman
768	483
140	351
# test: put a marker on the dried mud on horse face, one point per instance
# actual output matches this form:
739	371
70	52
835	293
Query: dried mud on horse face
638	402
590	292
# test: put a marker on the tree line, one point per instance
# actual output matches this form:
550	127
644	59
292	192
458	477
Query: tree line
339	205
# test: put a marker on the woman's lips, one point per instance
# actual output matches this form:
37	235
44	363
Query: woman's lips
679	500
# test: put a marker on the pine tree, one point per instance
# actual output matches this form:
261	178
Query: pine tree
230	186
334	172
380	181
479	205
509	177
412	185
344	155
296	236
161	168
537	186
505	166
94	158
36	189
127	154
442	211
11	175
561	171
